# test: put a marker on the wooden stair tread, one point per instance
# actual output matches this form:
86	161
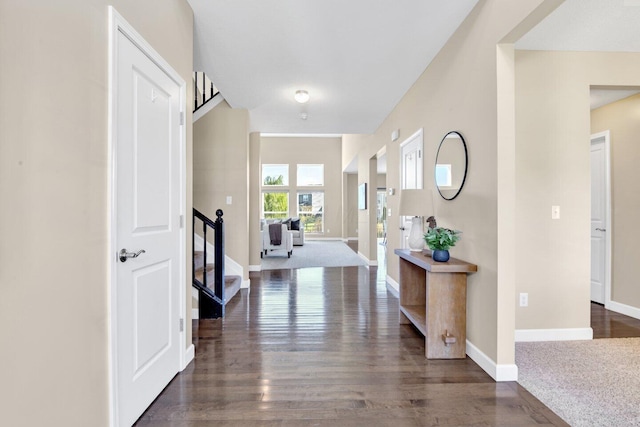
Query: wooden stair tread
232	283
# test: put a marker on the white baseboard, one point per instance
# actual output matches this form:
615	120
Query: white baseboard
569	334
189	355
627	310
367	260
497	372
195	313
255	268
232	268
323	238
393	286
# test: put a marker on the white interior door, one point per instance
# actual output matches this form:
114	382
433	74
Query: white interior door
147	196
599	213
411	167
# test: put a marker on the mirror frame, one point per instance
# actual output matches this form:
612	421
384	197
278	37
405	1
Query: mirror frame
466	163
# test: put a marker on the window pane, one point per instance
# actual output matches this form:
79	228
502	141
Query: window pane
311	211
275	175
310	175
443	175
275	205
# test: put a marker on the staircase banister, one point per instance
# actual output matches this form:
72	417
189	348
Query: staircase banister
202	217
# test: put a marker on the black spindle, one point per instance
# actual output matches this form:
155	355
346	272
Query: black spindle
204	92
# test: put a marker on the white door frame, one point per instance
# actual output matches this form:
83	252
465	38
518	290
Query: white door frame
607	235
419	136
118	24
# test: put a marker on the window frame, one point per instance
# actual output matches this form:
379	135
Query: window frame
303	215
264	213
285	176
303	165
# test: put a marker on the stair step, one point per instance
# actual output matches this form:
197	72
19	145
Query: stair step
198	259
231	283
231	286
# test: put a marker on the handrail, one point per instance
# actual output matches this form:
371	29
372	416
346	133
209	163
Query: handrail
207	95
213	308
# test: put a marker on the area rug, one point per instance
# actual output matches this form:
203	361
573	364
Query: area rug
587	383
314	253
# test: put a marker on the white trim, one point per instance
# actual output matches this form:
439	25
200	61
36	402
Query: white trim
419	135
367	260
246	284
568	334
606	135
118	24
301	135
255	268
497	372
393	287
207	107
625	309
335	239
189	355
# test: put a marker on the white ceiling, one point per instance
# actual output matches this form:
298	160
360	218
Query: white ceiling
356	58
588	26
600	97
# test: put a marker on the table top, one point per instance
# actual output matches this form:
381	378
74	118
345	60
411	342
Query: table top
423	259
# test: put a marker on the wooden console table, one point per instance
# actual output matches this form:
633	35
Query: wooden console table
433	297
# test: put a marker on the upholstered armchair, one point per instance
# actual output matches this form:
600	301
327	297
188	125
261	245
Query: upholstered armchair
286	243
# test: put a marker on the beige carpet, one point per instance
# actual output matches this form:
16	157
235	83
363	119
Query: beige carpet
587	383
314	253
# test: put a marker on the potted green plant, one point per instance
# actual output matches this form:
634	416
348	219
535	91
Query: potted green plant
439	240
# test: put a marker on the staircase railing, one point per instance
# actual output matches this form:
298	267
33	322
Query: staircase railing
204	90
211	299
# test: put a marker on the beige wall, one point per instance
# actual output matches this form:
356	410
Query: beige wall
351	206
255	238
622	119
327	151
54	173
458	91
553	168
221	170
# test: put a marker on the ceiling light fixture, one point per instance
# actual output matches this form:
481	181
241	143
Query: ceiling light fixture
302	96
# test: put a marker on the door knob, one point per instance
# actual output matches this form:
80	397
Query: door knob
601	229
124	255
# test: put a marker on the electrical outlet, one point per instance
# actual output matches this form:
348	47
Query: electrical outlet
229	199
555	212
524	300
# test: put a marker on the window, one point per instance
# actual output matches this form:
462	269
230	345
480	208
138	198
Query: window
310	175
443	175
275	175
275	204
311	210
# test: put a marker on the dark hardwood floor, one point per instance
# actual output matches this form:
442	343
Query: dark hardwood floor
609	324
323	347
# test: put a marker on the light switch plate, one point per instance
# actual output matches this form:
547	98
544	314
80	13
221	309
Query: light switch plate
555	212
229	200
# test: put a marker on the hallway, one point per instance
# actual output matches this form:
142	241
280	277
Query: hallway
323	347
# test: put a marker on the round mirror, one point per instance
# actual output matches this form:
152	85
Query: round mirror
451	165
